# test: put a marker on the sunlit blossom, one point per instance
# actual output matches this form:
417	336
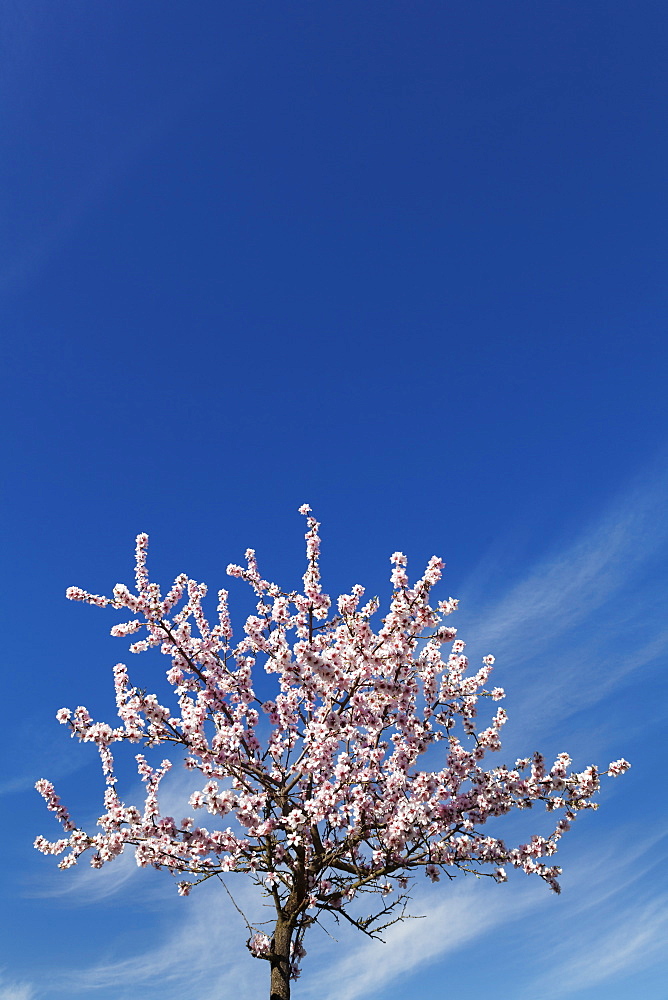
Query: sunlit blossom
329	804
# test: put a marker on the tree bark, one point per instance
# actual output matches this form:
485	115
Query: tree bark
280	960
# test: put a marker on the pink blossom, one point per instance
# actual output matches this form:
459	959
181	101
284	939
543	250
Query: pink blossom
259	944
318	798
618	767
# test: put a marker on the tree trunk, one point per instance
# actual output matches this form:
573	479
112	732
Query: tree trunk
280	960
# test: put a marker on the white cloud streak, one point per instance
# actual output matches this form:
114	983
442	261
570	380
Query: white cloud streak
201	957
565	588
615	921
467	913
12	989
603	927
601	911
580	622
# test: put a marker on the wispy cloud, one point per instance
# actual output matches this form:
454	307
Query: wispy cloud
601	906
462	915
614	922
201	956
585	617
607	923
576	579
632	937
41	752
12	989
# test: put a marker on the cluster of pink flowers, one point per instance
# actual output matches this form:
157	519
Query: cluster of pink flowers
331	804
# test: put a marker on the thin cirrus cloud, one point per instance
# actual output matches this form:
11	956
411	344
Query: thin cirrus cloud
580	623
201	955
453	922
614	922
13	989
591	917
563	590
631	937
203	951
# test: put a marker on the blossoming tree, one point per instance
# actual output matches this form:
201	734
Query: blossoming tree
331	807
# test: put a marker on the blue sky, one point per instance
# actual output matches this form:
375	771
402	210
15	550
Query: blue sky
405	262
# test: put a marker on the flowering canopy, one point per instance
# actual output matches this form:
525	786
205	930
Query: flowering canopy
331	805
